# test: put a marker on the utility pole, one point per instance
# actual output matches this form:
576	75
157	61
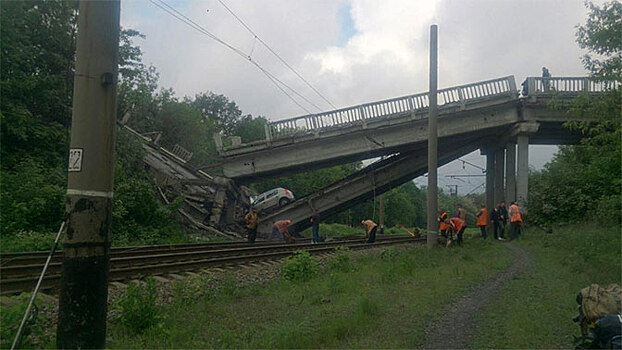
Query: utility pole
433	141
85	268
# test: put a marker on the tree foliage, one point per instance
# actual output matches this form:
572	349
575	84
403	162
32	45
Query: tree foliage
583	182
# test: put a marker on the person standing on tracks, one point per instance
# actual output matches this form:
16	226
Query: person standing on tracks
251	219
370	230
516	221
482	220
315	226
281	228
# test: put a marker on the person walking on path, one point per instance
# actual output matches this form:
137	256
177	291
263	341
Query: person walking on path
482	220
315	226
516	220
251	219
370	230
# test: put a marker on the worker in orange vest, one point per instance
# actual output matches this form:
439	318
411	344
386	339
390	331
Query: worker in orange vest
282	227
482	220
516	220
443	227
456	227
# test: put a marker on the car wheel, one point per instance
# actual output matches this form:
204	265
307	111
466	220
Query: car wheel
284	201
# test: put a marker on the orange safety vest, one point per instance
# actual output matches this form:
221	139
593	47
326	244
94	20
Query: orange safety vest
483	218
443	225
456	224
515	215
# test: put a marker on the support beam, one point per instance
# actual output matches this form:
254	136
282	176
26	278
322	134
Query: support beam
523	170
510	172
490	182
499	169
376	178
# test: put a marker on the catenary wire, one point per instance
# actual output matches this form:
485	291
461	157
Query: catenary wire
276	54
181	17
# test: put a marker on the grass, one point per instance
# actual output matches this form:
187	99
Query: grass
384	300
535	309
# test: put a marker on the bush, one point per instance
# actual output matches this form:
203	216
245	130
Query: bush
340	261
12	312
299	267
137	306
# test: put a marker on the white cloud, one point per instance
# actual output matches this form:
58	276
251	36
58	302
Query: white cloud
386	57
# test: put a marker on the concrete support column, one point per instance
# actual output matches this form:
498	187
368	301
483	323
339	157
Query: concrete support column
510	172
523	170
490	182
499	168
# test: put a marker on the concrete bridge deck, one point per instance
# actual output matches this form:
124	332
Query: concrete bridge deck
400	125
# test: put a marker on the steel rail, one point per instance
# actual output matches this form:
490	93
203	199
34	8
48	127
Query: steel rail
38	257
131	268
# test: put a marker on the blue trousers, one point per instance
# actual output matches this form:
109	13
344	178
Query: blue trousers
316	233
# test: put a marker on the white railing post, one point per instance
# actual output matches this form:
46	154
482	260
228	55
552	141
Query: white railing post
268	133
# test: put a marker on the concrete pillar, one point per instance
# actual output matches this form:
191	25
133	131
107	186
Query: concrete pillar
490	183
522	171
510	172
499	168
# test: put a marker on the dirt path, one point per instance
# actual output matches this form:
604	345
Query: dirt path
455	328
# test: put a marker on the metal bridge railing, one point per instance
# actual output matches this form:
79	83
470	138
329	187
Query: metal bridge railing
575	85
460	95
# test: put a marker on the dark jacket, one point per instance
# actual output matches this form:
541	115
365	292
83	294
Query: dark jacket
503	213
494	215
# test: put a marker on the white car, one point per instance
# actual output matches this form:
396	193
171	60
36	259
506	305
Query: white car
277	197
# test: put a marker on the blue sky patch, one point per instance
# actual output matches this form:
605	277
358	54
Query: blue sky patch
346	25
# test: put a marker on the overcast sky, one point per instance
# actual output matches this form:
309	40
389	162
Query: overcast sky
357	51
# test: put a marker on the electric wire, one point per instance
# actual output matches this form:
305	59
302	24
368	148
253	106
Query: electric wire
183	18
276	54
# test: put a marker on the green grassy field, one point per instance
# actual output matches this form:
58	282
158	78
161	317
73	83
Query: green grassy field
535	309
384	301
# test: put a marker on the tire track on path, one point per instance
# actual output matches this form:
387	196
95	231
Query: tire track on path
454	329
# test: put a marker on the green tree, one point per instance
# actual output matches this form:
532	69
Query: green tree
224	113
584	181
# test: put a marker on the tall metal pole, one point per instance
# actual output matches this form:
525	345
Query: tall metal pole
84	281
432	141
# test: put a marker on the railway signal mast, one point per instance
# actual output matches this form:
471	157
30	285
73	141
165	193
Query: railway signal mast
85	268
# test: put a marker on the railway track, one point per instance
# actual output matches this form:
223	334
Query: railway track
19	271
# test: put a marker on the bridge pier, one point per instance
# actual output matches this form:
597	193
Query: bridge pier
499	169
523	170
510	172
490	183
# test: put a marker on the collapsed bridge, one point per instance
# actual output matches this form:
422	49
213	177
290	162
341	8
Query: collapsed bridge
489	115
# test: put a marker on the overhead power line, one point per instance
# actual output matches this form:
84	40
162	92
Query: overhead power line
276	54
276	81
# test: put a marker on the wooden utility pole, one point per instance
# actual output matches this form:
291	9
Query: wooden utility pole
433	141
84	281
